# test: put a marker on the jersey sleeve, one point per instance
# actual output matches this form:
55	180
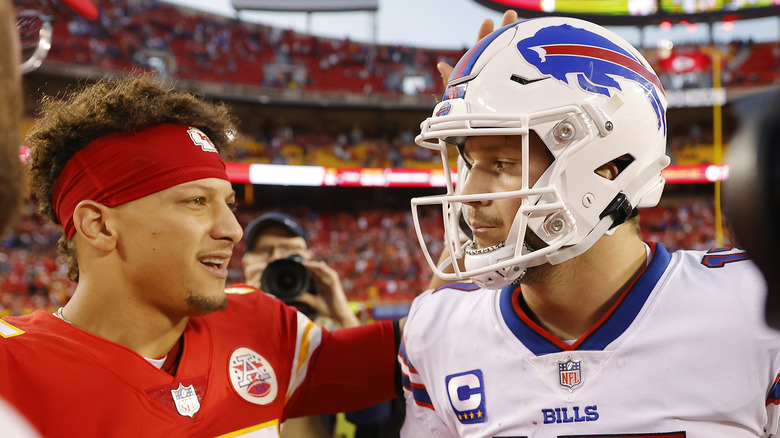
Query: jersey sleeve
349	369
773	409
308	340
421	418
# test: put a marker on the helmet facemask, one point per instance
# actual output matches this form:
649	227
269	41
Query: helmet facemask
504	263
570	206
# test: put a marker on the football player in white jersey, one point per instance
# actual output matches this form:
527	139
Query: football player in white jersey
558	319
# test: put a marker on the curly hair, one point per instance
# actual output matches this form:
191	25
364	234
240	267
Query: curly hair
113	104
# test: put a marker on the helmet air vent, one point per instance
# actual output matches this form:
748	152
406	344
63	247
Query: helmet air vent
524	81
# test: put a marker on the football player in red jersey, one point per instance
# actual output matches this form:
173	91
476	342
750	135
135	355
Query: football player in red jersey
151	344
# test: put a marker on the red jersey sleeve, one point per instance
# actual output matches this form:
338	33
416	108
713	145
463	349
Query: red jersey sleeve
353	368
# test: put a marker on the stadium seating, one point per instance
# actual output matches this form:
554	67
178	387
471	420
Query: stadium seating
374	251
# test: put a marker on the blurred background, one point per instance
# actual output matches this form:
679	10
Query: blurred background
330	94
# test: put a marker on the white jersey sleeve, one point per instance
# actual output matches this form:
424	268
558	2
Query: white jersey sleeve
773	409
421	419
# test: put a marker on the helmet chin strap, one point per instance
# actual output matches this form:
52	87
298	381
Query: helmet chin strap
570	252
617	212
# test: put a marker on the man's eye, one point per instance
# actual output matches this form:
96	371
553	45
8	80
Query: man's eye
198	201
504	164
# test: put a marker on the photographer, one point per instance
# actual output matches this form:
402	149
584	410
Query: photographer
278	261
316	290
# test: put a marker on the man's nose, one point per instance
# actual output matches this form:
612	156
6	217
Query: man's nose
477	181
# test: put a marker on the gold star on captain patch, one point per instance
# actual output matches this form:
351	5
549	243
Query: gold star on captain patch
479	414
472	415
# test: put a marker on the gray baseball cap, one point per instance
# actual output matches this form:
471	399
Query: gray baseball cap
279	219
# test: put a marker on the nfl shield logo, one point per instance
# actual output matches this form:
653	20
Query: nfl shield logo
569	373
186	400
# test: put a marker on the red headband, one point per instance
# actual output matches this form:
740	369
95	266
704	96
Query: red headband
126	166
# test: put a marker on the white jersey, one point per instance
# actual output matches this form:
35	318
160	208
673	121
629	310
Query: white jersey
685	352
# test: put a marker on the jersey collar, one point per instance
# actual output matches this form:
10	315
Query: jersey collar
607	329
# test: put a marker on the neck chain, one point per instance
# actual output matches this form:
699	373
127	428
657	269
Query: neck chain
472	250
60	316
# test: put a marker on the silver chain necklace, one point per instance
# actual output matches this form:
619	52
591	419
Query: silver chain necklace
60	316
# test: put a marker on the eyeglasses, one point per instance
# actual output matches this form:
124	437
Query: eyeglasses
35	31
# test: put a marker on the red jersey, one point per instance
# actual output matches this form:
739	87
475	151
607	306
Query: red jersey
242	371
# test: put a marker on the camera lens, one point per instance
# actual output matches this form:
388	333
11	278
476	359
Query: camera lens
286	279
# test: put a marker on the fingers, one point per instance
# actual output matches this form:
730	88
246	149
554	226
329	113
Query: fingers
509	17
332	300
445	70
253	272
485	28
316	303
322	274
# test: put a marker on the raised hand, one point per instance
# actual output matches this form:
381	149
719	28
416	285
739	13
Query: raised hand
509	17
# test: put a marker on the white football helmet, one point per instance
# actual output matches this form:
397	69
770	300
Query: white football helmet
592	99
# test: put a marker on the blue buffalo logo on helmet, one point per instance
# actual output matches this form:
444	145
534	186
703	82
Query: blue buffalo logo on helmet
444	110
595	61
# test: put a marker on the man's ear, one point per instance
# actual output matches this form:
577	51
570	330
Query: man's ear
609	170
91	220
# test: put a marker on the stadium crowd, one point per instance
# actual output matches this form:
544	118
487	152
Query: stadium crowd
374	250
187	44
148	34
689	144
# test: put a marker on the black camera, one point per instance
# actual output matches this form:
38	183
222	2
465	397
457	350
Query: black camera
287	279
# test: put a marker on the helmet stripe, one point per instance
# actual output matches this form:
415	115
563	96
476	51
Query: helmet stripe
466	64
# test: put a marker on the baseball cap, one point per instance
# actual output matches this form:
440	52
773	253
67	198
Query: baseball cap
280	219
85	8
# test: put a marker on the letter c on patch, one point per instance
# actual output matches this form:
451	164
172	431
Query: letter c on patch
466	392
